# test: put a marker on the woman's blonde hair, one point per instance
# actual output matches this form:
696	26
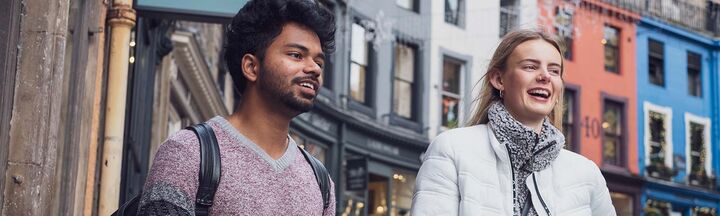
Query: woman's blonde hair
498	64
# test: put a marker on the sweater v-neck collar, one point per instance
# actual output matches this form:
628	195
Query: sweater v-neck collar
278	165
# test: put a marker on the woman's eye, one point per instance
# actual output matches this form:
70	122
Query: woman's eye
529	67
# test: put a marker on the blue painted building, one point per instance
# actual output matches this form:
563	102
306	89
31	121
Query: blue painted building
678	119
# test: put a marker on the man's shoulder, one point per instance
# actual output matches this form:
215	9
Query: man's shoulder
182	138
186	137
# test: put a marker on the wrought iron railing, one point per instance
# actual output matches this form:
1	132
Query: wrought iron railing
697	15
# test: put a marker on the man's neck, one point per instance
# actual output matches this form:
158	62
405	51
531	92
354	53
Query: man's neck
264	124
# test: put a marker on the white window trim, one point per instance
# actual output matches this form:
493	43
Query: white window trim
667	111
460	95
705	122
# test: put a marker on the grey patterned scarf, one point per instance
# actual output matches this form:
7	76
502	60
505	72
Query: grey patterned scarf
529	151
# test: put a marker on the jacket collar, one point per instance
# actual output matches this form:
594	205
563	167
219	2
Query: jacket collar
530	150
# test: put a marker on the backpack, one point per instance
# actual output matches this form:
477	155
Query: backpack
210	174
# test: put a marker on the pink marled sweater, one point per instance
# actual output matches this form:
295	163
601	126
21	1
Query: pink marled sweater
252	183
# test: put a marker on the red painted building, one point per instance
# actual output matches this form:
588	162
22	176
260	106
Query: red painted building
600	95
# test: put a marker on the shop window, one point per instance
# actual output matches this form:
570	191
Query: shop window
657	208
623	203
694	74
404	84
611	42
402	194
354	204
377	195
656	63
703	211
613	137
451	95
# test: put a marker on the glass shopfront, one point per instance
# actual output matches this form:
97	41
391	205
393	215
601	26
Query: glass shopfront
388	191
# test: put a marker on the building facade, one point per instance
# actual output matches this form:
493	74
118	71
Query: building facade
370	124
90	89
461	48
677	86
600	93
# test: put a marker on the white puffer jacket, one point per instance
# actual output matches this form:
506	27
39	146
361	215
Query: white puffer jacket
466	171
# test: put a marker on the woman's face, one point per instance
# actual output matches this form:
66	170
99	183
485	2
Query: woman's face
532	81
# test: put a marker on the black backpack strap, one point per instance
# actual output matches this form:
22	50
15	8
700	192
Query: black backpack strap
209	168
321	175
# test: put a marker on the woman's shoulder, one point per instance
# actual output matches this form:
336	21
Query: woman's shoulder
450	140
463	133
574	162
574	159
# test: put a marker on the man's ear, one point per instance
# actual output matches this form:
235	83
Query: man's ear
250	67
496	79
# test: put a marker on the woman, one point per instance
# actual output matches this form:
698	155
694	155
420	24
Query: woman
511	160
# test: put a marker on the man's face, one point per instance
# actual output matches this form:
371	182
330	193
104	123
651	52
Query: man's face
292	68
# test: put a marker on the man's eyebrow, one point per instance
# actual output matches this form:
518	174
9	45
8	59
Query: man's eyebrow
304	49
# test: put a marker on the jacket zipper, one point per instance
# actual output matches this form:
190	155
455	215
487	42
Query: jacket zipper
512	173
540	196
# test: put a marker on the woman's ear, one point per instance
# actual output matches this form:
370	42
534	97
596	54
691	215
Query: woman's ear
496	79
250	67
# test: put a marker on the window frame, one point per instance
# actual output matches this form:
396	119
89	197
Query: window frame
616	49
415	6
569	47
623	137
668	112
659	57
413	123
704	121
509	12
698	69
461	86
368	106
460	18
575	129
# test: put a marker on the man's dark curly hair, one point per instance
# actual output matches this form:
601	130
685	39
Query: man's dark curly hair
259	22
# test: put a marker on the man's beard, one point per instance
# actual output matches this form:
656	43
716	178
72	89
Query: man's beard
273	87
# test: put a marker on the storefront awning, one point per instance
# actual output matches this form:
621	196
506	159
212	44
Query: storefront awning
221	11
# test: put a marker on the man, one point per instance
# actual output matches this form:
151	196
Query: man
275	51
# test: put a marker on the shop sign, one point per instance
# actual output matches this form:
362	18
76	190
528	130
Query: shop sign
357	174
320	122
382	147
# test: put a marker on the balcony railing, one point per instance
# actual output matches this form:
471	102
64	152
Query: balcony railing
697	15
